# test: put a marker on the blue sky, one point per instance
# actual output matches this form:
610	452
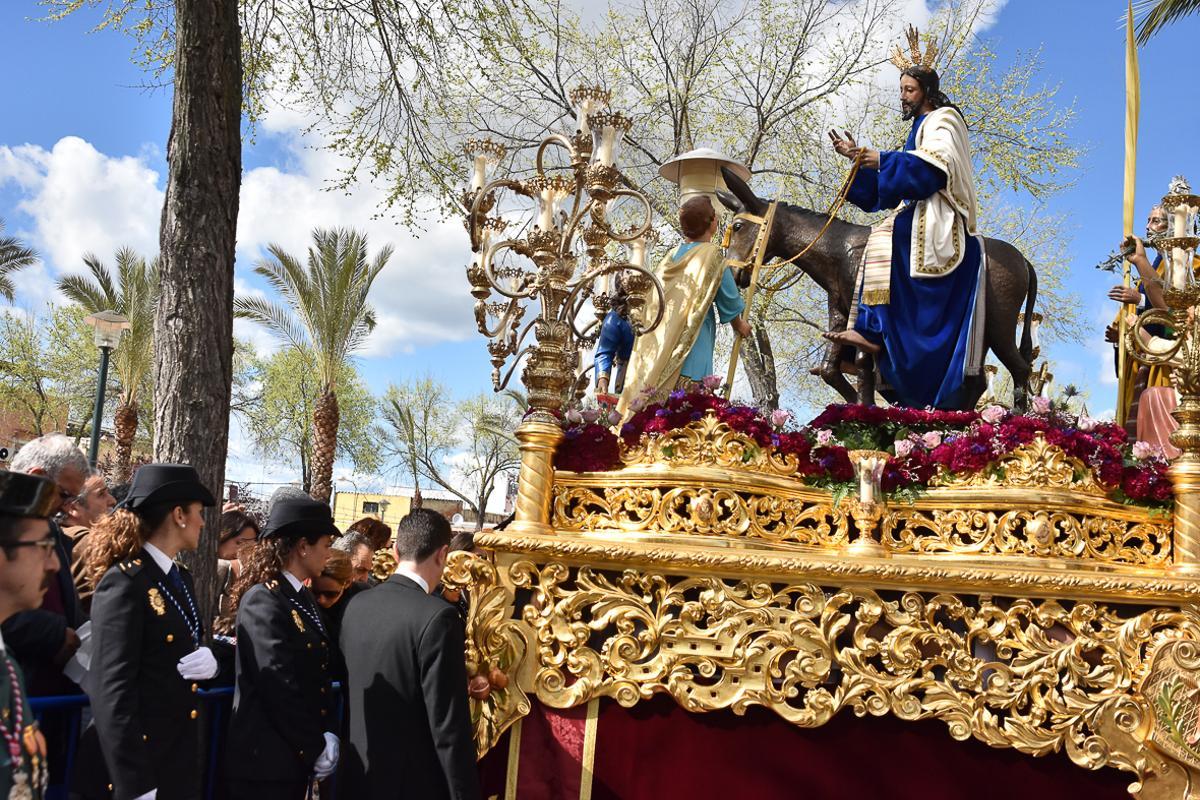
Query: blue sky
82	168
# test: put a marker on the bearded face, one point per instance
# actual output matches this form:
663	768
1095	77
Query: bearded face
912	97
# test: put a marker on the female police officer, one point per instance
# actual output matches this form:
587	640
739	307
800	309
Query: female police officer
282	735
147	638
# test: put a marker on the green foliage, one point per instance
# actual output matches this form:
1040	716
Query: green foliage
131	291
464	447
325	309
1154	15
48	370
13	256
276	398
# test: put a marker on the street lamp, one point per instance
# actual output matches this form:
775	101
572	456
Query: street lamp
109	325
354	501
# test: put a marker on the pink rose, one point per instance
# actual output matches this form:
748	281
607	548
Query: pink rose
711	382
1041	405
992	414
1087	423
903	448
574	417
931	440
1143	450
779	417
590	415
614	417
824	437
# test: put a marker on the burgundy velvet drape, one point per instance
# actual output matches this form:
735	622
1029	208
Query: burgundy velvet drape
657	751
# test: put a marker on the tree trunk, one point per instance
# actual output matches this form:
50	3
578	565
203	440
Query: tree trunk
760	367
125	422
417	500
325	428
193	325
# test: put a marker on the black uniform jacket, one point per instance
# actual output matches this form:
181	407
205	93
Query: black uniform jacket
410	726
284	701
145	713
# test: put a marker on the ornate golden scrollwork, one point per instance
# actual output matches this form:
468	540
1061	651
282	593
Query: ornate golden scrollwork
1036	676
1037	465
700	510
708	442
1040	532
496	646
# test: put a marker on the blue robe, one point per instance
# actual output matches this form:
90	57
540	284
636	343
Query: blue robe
925	328
727	304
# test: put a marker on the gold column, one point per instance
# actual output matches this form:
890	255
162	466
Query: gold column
538	439
1185	474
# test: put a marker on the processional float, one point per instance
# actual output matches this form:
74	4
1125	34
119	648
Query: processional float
1027	606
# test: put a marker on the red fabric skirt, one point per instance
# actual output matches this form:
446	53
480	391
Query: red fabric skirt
657	751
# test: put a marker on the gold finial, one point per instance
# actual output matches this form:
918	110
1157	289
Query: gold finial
904	60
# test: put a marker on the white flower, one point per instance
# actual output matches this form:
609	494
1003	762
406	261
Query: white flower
779	417
903	448
574	417
824	437
1087	423
992	414
1144	450
590	415
614	417
931	439
1041	405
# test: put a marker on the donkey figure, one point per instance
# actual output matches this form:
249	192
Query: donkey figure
833	264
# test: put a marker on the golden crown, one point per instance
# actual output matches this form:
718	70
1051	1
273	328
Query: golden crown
903	60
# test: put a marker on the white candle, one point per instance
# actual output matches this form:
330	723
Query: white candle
604	155
479	172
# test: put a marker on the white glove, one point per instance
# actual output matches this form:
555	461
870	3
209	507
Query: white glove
327	761
198	665
150	795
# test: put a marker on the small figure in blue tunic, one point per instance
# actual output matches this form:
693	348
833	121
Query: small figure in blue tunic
920	276
615	344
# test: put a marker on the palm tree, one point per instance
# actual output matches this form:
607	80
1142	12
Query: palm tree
13	256
1154	15
325	311
134	293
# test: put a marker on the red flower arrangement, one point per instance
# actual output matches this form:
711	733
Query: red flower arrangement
923	442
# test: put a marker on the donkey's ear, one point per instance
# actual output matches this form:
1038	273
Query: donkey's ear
729	201
742	192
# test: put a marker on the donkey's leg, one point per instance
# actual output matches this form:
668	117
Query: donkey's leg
866	379
831	369
1006	350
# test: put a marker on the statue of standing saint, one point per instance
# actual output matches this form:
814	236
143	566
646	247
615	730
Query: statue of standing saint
698	292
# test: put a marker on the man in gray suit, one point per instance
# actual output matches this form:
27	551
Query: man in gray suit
410	727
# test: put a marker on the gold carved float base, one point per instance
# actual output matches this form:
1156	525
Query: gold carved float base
1027	611
1108	684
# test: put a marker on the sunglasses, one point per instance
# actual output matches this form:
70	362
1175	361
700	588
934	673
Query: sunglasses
328	594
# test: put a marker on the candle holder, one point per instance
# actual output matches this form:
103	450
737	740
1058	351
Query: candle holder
867	508
1181	293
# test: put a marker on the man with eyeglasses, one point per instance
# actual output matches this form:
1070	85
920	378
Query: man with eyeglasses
28	563
43	639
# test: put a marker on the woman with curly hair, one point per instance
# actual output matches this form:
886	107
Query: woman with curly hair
284	721
148	651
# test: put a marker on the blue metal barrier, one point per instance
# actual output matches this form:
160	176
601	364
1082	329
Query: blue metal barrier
218	703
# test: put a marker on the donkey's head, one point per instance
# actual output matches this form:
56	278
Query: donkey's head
743	232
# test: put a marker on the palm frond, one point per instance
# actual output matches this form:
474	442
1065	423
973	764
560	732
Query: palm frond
1154	15
274	317
13	256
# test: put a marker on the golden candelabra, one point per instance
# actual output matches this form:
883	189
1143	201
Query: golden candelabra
571	248
1182	354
